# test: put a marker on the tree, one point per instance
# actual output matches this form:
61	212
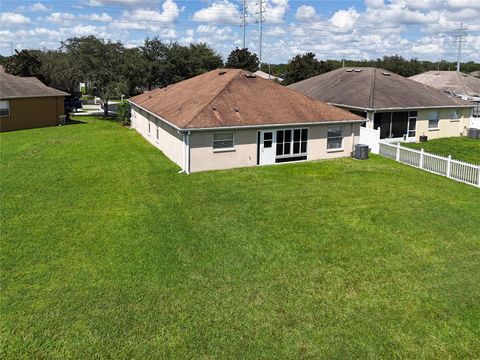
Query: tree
242	59
25	63
134	70
100	63
154	52
302	67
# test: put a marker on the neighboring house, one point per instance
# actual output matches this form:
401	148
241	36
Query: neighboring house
25	103
229	118
402	108
464	86
264	75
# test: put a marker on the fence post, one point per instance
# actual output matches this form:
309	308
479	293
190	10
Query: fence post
479	176
397	156
449	165
421	158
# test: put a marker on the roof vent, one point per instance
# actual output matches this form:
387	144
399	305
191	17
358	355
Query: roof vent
250	76
386	74
214	107
149	96
222	73
349	70
358	70
237	109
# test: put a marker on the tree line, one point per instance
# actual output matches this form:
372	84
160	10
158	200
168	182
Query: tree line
111	70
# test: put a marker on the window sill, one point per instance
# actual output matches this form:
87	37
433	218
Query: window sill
335	150
434	129
455	120
224	150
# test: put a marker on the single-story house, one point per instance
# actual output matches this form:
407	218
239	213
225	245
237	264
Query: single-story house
464	86
402	108
267	76
25	103
229	118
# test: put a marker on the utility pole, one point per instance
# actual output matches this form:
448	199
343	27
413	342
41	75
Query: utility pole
260	21
244	24
460	35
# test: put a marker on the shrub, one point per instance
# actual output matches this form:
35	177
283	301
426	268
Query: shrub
123	113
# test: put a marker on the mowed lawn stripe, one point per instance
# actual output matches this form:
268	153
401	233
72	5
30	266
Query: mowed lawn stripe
108	252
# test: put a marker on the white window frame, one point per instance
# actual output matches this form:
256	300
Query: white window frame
336	137
434	115
217	141
7	102
292	154
148	129
157	131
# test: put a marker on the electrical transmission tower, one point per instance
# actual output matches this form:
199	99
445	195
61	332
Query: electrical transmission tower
460	34
244	23
260	21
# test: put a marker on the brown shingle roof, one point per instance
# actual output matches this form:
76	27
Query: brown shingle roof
454	81
372	88
231	98
23	87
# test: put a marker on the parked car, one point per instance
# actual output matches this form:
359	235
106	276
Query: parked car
72	104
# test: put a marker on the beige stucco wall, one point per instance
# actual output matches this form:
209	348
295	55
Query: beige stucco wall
170	141
202	156
447	127
28	113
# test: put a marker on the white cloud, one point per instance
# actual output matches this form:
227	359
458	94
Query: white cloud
9	18
123	2
147	19
345	19
223	12
103	17
306	13
38	7
275	11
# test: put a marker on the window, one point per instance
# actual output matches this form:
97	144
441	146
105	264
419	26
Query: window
157	132
267	140
433	119
149	122
455	114
291	142
476	111
335	138
4	108
223	140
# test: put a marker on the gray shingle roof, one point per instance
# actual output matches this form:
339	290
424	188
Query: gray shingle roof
23	87
454	81
372	88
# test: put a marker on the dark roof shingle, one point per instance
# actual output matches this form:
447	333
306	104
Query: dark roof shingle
23	87
372	88
234	98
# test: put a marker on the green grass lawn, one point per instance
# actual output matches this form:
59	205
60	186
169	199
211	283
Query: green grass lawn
461	148
108	252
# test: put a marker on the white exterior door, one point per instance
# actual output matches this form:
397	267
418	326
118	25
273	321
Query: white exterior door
267	147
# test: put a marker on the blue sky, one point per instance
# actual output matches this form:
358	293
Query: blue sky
332	29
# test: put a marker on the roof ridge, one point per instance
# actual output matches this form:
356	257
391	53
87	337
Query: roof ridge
222	89
372	88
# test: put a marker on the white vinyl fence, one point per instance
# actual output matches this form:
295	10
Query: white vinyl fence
446	166
370	137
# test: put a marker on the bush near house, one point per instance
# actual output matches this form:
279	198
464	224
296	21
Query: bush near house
108	252
460	148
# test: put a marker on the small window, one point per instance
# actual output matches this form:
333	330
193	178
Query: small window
223	140
149	122
157	132
455	114
4	108
433	119
335	138
476	111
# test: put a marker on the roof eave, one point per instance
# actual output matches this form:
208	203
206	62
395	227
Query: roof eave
327	122
402	108
31	96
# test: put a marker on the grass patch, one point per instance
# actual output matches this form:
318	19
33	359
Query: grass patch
461	148
108	252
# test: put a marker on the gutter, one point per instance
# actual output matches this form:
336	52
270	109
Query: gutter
33	96
402	108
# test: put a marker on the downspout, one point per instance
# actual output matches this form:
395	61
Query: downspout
186	152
